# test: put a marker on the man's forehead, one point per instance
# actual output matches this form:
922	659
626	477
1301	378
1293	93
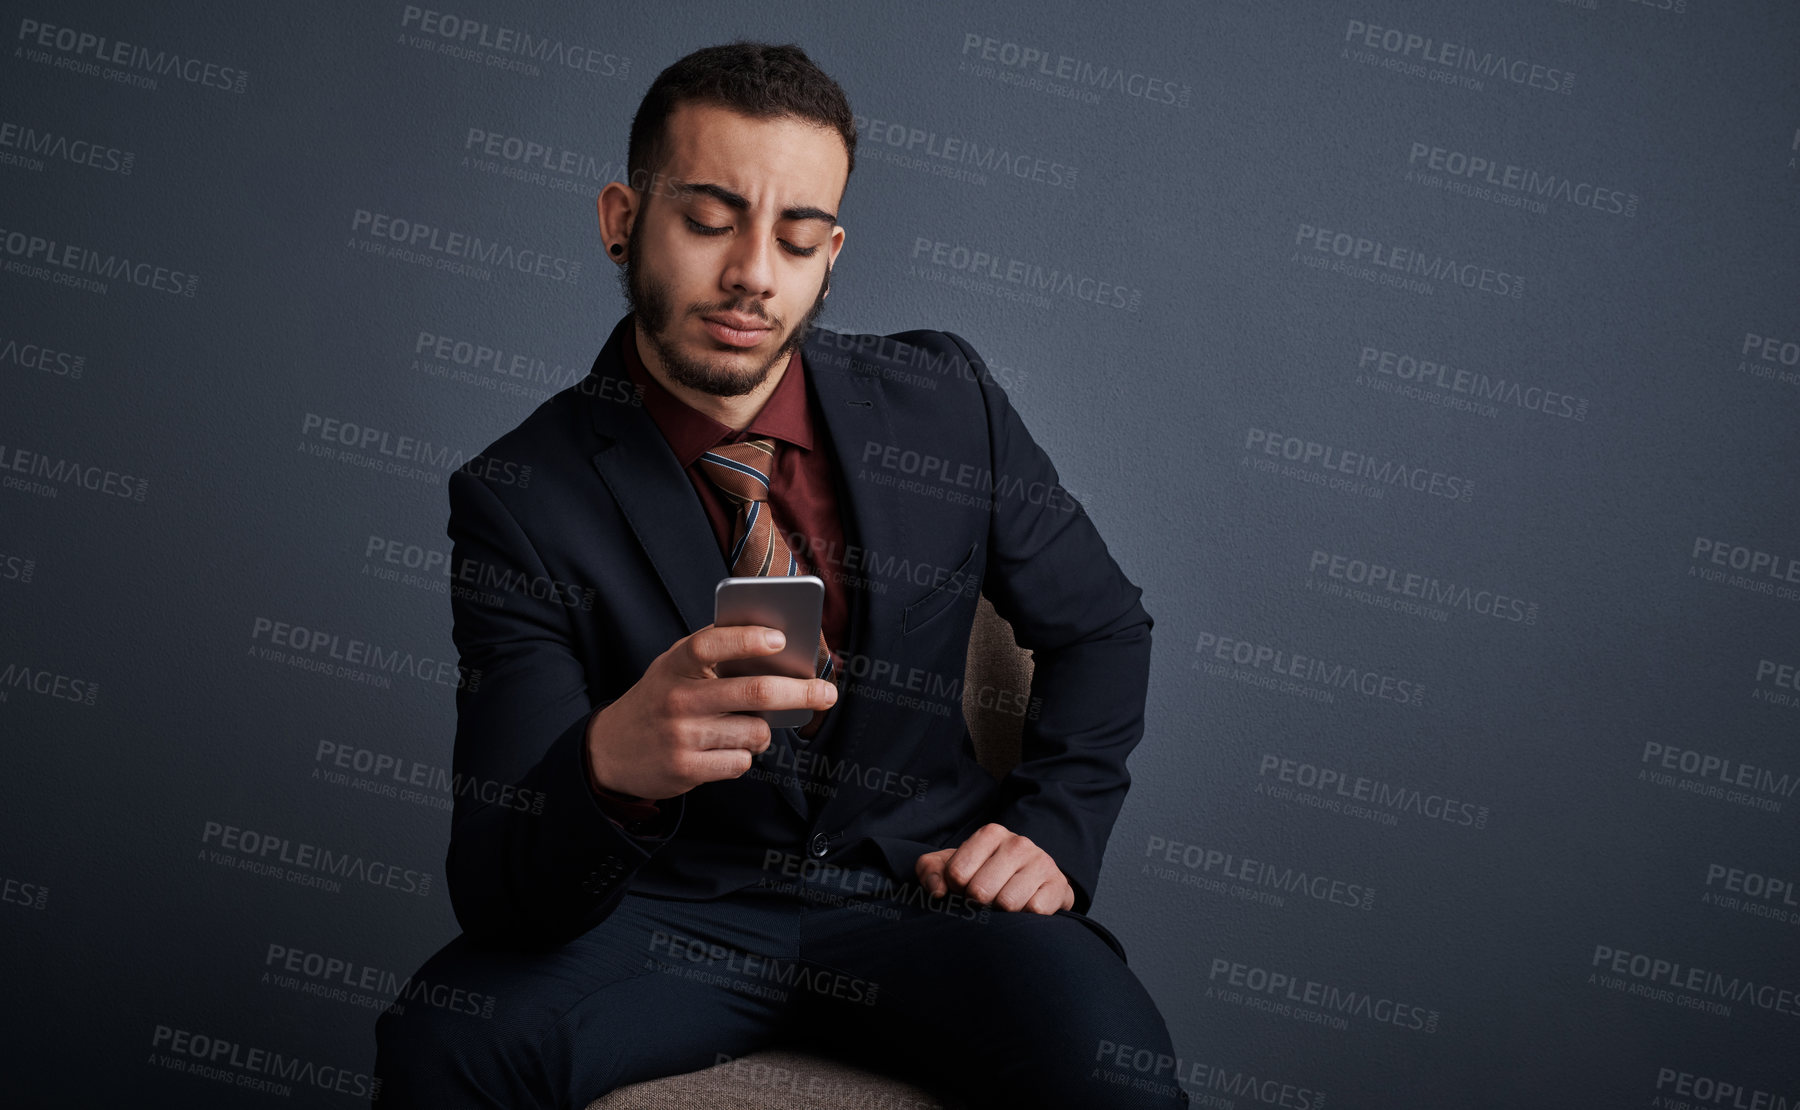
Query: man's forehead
782	162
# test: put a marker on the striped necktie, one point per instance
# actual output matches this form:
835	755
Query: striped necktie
741	471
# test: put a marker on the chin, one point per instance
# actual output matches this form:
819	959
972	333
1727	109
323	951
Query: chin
740	372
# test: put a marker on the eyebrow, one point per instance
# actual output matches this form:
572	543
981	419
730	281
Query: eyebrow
737	201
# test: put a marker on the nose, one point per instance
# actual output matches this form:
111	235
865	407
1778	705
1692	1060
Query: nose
750	267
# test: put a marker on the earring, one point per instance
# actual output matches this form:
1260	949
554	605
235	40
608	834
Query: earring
617	249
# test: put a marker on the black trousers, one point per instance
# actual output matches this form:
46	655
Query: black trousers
996	1008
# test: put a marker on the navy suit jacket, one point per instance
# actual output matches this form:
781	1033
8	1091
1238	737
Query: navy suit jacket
604	557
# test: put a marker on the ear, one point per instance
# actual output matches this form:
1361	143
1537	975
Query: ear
616	208
837	244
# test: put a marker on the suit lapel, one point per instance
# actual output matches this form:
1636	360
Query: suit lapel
857	414
658	502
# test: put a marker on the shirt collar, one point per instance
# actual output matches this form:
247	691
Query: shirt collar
690	432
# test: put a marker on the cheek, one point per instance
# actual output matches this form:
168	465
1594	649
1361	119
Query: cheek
682	262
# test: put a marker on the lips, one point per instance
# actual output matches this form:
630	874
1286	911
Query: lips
740	323
738	331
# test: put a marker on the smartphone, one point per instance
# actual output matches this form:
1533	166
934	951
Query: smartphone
793	603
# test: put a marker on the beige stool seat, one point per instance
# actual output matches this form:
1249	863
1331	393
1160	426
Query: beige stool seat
775	1078
786	1079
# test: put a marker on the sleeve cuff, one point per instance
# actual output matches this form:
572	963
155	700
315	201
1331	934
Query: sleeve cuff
623	808
638	818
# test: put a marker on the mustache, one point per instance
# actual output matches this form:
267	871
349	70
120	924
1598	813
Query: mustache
751	308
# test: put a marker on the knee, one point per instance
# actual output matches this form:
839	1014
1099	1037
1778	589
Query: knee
1084	1073
1139	1076
1111	1052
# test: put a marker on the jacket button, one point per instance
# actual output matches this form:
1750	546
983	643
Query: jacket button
820	844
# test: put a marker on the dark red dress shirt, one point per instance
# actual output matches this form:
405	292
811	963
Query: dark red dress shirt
802	494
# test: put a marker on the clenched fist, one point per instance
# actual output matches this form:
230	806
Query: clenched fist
998	867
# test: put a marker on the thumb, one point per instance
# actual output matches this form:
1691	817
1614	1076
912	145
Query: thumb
930	869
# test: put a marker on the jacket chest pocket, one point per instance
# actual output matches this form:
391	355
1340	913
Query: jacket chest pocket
955	584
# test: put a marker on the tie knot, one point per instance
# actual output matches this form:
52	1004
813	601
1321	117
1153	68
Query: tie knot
741	470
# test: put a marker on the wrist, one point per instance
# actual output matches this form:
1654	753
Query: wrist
596	775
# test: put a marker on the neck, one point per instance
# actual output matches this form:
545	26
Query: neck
735	413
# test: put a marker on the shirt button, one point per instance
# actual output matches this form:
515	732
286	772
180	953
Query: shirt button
820	844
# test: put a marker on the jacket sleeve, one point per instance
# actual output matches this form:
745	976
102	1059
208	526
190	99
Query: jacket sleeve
1049	574
534	860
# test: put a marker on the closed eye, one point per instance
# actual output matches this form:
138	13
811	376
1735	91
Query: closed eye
699	228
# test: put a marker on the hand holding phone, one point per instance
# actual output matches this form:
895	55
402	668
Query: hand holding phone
687	721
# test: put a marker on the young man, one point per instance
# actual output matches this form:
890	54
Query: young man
665	880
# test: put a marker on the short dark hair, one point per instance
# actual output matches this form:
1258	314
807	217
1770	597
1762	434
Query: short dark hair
757	79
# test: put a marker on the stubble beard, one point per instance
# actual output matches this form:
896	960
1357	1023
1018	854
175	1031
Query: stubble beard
651	302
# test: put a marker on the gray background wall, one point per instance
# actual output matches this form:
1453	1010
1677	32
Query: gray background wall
1586	737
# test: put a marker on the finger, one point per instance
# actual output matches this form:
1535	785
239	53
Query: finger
993	875
1018	891
1048	899
930	869
940	872
715	643
1014	857
720	763
731	730
974	853
748	693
